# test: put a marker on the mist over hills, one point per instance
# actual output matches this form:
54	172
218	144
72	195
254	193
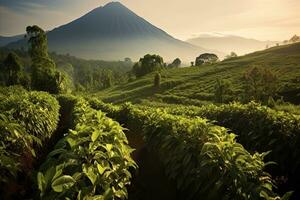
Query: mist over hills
114	32
229	43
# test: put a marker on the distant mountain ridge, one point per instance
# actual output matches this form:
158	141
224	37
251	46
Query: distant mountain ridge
4	40
229	43
114	32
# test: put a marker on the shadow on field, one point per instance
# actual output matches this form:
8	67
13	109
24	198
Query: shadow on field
149	182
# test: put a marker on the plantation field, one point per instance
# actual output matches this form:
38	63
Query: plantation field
162	136
195	85
80	150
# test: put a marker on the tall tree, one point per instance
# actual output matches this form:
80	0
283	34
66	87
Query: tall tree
148	64
206	58
13	70
176	63
44	75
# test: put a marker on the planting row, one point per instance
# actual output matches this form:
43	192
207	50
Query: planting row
92	161
259	128
204	159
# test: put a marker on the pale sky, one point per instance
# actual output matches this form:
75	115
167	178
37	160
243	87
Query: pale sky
183	19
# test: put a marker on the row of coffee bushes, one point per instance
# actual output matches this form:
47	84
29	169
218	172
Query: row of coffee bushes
258	127
91	162
204	159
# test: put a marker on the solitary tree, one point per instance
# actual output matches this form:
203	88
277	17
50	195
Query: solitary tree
148	64
176	63
295	38
231	55
44	75
208	58
13	70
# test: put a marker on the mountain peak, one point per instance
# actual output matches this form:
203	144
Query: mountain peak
114	4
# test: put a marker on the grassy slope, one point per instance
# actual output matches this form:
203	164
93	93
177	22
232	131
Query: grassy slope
192	85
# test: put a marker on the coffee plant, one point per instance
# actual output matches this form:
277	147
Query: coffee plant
91	162
204	159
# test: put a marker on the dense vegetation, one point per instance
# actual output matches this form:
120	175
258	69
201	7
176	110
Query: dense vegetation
204	159
92	161
259	129
54	145
28	120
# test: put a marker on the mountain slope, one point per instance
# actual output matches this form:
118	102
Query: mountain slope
114	32
6	40
193	85
229	43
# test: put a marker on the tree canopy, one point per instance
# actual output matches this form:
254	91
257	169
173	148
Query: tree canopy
44	75
176	63
206	58
147	64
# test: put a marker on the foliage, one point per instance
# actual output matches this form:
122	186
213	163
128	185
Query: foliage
175	64
14	142
37	112
44	75
191	83
260	84
259	128
91	162
294	39
202	158
13	70
206	58
27	121
222	88
231	55
148	64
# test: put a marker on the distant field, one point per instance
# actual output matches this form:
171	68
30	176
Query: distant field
195	85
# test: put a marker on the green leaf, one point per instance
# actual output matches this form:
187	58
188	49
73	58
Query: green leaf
62	183
89	172
109	147
101	169
95	135
108	194
71	142
287	196
41	182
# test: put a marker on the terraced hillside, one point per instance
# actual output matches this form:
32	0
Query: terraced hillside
193	85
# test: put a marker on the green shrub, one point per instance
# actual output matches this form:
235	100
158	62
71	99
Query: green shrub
91	162
37	112
14	142
203	159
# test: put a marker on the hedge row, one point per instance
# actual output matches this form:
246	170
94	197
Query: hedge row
37	112
27	119
259	128
91	162
204	159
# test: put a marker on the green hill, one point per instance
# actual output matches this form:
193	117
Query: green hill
194	85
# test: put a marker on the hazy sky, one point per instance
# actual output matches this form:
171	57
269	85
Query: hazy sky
260	19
